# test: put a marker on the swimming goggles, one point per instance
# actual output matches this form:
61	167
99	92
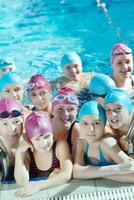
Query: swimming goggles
121	51
14	113
38	84
71	98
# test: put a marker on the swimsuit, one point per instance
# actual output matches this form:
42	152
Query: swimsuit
35	172
101	162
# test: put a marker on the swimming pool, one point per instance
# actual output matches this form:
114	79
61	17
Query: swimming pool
36	33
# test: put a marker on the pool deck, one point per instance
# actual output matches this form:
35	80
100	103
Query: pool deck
72	188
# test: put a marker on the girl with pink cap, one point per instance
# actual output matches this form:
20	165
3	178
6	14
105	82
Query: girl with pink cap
40	157
39	91
11	127
64	111
122	64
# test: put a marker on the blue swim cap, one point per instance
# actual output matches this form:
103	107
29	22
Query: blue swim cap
9	78
92	108
4	63
119	96
71	57
100	85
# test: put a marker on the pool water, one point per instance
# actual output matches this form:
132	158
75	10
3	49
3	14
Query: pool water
36	33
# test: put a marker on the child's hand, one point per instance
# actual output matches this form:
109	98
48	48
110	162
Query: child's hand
127	166
24	146
28	190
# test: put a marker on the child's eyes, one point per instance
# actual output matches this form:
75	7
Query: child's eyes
7	91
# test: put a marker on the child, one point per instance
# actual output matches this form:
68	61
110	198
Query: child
11	127
39	91
74	77
11	86
95	155
122	64
119	112
40	157
65	108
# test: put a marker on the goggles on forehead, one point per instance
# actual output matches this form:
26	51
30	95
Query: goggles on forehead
38	84
71	98
14	113
121	51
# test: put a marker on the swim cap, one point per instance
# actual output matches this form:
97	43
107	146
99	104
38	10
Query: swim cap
9	78
65	95
119	96
38	82
37	123
10	108
100	85
119	49
7	64
92	108
69	58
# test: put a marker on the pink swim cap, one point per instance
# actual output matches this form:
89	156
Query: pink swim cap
38	82
37	123
119	49
65	95
10	108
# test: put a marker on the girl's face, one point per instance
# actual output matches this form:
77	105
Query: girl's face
42	142
72	71
64	114
122	66
11	129
117	115
41	99
92	128
13	91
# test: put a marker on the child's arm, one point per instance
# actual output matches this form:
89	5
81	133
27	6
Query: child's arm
62	176
21	172
88	172
111	147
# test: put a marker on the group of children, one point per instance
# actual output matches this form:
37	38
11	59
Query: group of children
85	131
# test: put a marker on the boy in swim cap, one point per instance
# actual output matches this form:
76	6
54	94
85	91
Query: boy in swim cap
119	112
6	65
97	156
11	128
64	111
74	77
122	64
99	86
39	91
44	158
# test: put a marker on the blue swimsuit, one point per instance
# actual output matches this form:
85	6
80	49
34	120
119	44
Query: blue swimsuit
101	162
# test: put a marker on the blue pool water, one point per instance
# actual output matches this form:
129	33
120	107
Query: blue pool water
36	33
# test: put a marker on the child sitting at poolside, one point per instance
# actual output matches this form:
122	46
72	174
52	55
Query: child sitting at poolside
74	77
11	128
97	156
40	157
